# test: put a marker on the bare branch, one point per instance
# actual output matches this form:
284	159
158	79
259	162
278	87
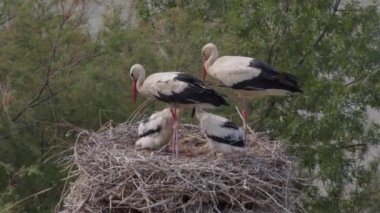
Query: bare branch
37	102
79	61
52	95
7	208
360	145
46	84
7	20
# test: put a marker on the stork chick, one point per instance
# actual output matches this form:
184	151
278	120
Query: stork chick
155	131
179	90
222	134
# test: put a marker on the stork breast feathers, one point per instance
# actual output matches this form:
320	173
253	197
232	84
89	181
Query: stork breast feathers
233	69
181	88
163	83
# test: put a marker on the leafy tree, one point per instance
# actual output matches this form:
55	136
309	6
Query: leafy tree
53	72
54	75
333	50
43	49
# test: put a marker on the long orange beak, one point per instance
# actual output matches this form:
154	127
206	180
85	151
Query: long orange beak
134	91
204	72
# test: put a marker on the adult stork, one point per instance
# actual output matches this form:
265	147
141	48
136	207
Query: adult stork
155	131
222	135
175	88
249	77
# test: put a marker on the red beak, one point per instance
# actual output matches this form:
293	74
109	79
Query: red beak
134	91
204	72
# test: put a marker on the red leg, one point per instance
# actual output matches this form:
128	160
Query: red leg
175	130
245	115
176	138
174	113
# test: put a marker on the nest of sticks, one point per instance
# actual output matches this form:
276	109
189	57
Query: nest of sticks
112	176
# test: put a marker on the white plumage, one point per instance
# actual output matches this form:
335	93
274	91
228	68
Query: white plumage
222	135
248	76
232	69
175	88
155	132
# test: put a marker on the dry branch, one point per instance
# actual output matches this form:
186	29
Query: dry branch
112	176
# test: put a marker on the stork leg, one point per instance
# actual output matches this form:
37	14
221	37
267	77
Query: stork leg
175	131
245	115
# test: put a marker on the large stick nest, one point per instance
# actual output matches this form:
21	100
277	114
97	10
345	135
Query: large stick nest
114	177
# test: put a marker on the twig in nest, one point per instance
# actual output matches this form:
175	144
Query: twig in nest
115	175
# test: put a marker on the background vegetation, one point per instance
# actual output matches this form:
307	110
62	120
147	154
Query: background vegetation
53	72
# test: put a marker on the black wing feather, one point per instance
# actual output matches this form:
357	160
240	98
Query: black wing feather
269	78
227	140
150	132
196	92
229	124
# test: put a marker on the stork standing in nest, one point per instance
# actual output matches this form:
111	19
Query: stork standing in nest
177	89
222	135
249	77
155	131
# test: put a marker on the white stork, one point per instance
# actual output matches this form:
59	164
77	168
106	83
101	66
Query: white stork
155	131
222	135
248	76
175	88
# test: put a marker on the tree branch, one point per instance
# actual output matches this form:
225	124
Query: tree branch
79	61
4	137
363	77
353	146
36	100
52	95
40	101
7	20
321	36
199	10
204	15
272	51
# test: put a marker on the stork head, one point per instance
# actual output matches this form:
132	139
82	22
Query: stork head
209	50
137	72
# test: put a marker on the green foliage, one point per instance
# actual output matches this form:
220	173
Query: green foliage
53	72
332	49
